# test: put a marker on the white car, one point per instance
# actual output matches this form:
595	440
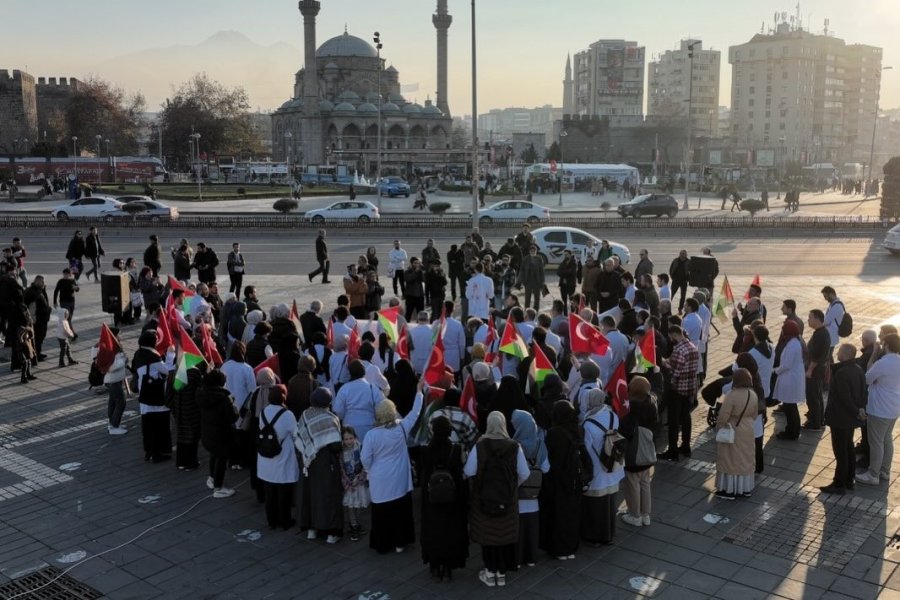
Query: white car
86	207
143	208
553	241
514	210
357	210
892	240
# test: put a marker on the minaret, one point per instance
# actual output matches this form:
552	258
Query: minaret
442	22
568	86
311	136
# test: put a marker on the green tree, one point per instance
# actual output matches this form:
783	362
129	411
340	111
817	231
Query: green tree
100	108
529	155
221	116
553	152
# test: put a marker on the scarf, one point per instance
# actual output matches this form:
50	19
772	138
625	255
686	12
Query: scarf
496	427
318	427
529	437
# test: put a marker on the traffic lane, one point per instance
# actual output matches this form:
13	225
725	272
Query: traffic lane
281	252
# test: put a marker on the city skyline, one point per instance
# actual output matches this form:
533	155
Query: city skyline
520	58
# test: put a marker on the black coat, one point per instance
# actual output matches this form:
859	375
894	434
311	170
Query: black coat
182	266
608	281
568	275
153	258
217	417
92	247
846	396
311	323
206	262
321	249
445	535
76	249
185	410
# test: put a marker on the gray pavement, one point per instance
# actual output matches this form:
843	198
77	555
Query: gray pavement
73	497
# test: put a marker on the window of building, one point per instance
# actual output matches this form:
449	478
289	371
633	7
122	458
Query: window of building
750	102
752	89
781	126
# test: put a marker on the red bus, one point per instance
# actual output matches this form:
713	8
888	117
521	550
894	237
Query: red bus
116	169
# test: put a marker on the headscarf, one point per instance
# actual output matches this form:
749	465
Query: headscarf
554	388
237	323
440	436
565	417
509	397
789	330
496	427
529	437
481	371
595	400
320	398
254	317
746	361
317	428
277	394
265	381
403	386
741	378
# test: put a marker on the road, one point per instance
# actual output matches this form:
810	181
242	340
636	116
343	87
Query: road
292	253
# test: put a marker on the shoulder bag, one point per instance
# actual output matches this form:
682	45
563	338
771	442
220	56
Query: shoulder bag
725	435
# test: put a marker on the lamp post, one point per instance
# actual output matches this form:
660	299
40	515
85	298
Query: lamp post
196	138
562	134
475	174
75	154
98	137
287	153
159	140
875	123
689	157
782	140
378	45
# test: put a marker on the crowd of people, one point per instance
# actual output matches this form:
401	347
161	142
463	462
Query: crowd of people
517	436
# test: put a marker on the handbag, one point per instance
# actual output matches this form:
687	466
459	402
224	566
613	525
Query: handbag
725	435
641	449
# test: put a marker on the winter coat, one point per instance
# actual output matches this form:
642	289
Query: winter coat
531	275
217	418
846	396
568	275
186	410
76	249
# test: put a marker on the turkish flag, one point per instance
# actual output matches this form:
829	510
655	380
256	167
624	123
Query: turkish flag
107	348
584	338
757	282
210	351
163	334
435	369
272	363
403	344
329	335
490	341
617	388
467	400
354	344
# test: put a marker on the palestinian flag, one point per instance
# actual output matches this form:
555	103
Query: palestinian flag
757	282
540	366
403	343
617	388
645	352
389	321
725	296
512	343
107	348
189	356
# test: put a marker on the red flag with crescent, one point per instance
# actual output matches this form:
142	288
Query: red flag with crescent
272	363
584	338
467	400
403	344
617	388
435	368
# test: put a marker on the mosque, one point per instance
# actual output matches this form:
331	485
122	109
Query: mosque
333	116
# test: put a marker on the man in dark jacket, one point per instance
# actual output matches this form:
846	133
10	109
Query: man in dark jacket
609	287
205	261
680	272
525	239
93	249
414	291
311	323
321	258
152	255
37	294
455	266
819	348
515	253
531	277
740	321
846	407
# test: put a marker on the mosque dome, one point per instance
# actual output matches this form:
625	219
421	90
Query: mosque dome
431	109
344	107
390	107
412	108
325	106
346	45
367	107
348	96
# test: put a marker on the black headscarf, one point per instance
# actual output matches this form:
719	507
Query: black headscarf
509	397
403	386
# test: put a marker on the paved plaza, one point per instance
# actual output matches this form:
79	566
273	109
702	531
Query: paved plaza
70	492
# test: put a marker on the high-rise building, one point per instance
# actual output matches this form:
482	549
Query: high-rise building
669	86
803	97
609	81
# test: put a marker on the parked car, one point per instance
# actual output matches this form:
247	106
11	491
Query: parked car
656	205
361	211
86	207
553	241
152	210
892	240
516	210
393	186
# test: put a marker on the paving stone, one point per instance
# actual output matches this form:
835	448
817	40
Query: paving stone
700	582
854	587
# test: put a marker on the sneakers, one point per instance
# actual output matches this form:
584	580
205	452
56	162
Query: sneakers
668	456
488	578
501	579
632	520
867	479
223	493
354	535
645	520
833	489
723	495
311	534
210	483
117	431
332	539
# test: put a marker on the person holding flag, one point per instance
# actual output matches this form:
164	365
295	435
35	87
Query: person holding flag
112	362
150	376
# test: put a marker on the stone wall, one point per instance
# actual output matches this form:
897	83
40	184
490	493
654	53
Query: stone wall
53	96
18	111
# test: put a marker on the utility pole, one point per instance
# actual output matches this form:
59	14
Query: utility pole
690	153
475	165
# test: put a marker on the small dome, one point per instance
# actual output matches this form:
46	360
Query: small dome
390	107
325	106
391	69
367	107
292	104
344	107
346	45
412	108
431	109
331	67
348	96
372	97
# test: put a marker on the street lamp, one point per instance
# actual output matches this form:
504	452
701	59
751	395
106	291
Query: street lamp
196	138
690	154
378	45
98	137
75	154
782	140
875	122
287	152
562	133
475	174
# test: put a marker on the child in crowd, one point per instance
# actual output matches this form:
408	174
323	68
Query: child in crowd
354	479
64	333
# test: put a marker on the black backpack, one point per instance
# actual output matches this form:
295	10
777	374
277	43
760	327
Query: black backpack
95	377
153	390
845	327
441	485
267	443
578	470
497	477
531	487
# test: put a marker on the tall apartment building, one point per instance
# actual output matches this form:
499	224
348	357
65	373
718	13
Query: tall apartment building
669	87
803	97
609	81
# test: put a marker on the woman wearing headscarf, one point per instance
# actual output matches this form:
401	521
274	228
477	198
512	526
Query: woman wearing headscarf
266	380
237	323
445	536
279	474
509	397
485	390
403	387
642	412
254	317
186	413
531	440
282	325
553	389
217	417
735	462
320	492
561	492
301	386
746	360
239	377
494	521
790	387
386	459
598	514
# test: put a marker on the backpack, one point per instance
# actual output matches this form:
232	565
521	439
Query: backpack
497	478
845	327
578	469
95	377
531	487
153	390
614	445
267	443
441	485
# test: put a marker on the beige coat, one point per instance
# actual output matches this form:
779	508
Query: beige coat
738	458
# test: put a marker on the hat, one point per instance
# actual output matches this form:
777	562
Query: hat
320	398
481	371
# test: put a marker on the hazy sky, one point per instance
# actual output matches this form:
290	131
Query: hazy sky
522	44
